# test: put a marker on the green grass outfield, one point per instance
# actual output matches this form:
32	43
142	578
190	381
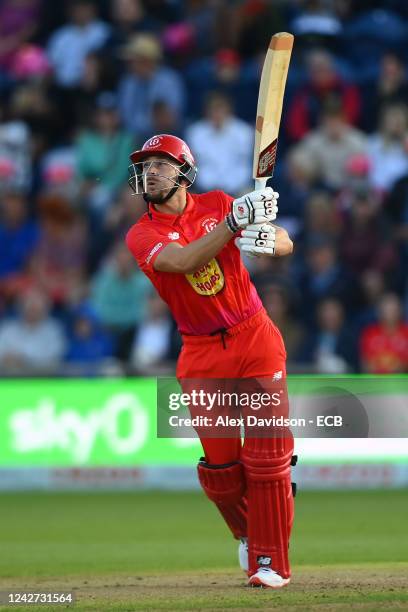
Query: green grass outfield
153	550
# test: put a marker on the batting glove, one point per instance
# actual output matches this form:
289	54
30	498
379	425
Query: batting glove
257	240
253	208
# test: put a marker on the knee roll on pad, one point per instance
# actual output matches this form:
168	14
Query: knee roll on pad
268	459
223	484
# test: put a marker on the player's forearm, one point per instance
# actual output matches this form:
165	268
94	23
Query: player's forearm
201	251
188	259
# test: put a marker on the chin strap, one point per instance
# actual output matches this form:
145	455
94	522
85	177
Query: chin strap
162	200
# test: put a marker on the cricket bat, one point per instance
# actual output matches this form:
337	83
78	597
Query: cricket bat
269	111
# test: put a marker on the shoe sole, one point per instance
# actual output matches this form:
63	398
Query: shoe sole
257	583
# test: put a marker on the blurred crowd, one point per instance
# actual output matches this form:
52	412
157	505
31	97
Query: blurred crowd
83	83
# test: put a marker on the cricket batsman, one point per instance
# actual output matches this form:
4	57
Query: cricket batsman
189	246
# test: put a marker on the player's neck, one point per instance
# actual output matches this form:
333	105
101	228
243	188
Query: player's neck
175	205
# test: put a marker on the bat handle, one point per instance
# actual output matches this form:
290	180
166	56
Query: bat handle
260	183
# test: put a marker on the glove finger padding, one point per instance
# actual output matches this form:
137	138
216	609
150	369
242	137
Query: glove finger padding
269	209
266	247
257	240
263	231
253	208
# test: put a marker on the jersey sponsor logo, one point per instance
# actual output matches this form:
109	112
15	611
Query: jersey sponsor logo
209	224
277	375
153	251
174	235
208	280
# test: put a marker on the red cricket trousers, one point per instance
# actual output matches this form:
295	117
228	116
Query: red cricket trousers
249	483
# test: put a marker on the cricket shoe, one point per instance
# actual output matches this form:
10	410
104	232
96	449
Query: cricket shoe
243	554
266	577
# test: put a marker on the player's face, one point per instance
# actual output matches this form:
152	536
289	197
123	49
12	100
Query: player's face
159	176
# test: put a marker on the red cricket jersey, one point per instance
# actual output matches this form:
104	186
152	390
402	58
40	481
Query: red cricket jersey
217	296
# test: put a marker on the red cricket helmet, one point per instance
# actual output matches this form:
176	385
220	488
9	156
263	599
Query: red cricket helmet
169	146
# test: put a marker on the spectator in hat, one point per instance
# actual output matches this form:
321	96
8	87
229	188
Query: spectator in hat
69	45
103	155
357	170
145	82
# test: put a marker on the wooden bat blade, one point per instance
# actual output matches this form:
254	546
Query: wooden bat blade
270	100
